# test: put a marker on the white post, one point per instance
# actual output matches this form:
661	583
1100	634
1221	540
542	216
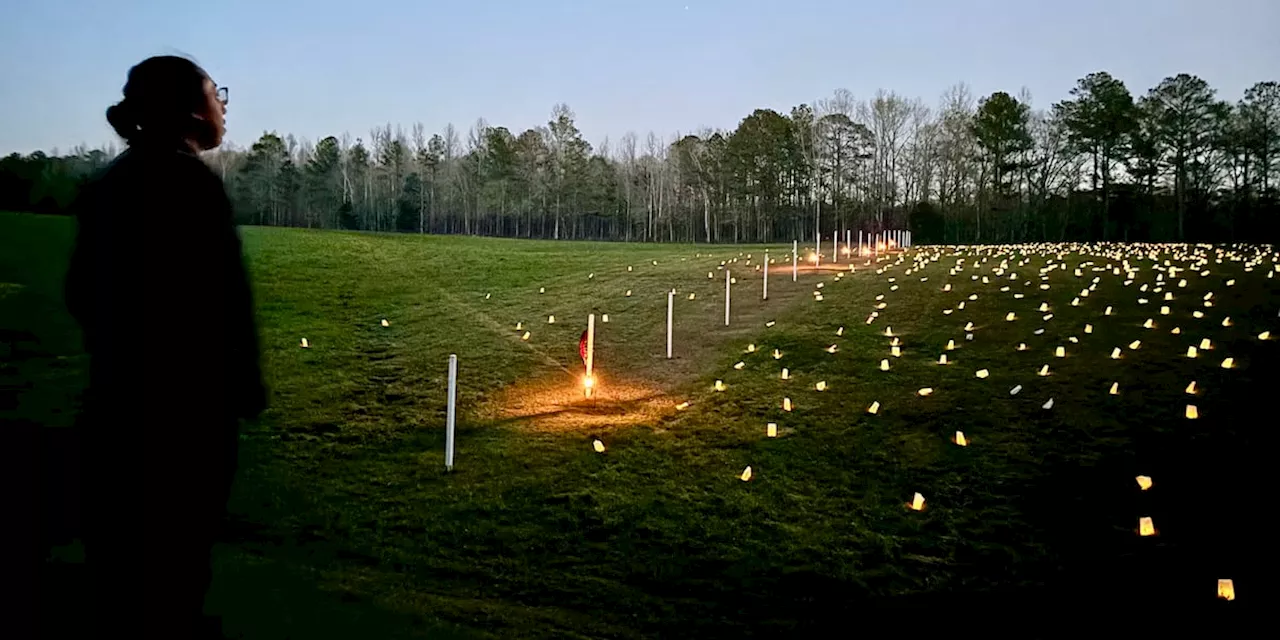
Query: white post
451	413
766	275
671	296
835	247
591	352
817	249
859	242
795	255
726	296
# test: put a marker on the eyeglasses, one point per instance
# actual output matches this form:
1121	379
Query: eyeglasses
222	95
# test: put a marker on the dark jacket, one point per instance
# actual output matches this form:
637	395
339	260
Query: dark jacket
158	284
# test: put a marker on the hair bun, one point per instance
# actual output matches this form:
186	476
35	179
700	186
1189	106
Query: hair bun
122	118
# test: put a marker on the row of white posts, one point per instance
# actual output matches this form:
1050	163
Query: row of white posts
875	243
872	243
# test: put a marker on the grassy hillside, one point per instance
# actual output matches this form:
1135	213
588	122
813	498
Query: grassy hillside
346	524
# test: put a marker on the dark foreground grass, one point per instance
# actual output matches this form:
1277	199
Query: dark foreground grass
346	526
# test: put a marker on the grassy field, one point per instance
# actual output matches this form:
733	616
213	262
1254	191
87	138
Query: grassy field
345	524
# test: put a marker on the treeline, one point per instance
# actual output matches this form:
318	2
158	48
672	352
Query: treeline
1175	164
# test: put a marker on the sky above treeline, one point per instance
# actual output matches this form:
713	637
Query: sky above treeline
323	67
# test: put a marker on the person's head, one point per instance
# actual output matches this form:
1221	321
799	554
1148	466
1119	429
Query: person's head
170	100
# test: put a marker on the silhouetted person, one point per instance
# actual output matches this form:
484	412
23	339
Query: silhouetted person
158	284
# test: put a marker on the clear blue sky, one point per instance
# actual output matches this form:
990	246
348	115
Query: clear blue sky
323	67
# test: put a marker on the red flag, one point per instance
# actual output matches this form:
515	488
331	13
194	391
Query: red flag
582	347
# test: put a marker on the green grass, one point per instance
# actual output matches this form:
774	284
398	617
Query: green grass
345	520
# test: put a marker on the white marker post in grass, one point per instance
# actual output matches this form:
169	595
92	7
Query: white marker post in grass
835	247
451	413
766	275
589	382
859	241
726	297
817	249
795	257
671	297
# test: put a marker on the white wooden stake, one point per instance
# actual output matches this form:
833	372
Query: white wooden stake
591	351
795	256
451	413
766	275
726	296
817	248
859	241
835	247
671	297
